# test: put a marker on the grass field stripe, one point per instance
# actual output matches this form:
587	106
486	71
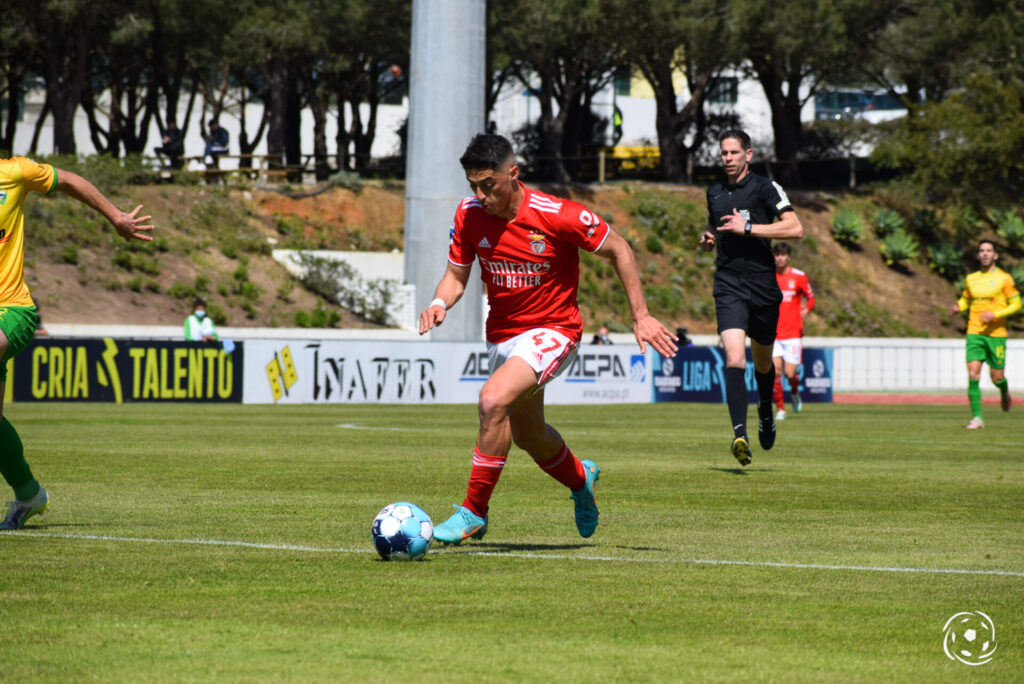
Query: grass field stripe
533	556
198	542
758	564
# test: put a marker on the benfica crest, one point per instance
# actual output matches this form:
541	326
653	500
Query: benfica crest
537	243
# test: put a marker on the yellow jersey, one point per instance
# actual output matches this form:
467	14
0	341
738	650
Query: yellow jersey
18	176
989	291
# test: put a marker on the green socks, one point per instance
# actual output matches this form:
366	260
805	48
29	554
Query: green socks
974	396
1004	386
12	463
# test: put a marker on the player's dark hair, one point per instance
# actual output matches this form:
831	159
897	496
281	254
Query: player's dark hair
986	241
487	151
199	301
737	134
781	248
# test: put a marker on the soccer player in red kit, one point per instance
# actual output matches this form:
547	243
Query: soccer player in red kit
527	243
797	302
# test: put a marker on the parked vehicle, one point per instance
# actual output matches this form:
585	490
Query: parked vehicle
874	106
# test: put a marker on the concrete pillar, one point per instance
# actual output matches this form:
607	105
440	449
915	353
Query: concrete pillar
446	109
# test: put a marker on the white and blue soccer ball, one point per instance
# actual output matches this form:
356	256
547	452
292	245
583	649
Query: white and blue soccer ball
402	531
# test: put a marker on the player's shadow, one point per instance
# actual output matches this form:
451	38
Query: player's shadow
742	471
513	548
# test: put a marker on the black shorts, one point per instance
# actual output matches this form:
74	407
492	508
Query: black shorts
750	304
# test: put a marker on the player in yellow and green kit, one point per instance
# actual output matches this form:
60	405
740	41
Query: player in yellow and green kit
991	297
18	316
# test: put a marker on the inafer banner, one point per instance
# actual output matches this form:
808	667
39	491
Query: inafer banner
84	369
337	371
698	374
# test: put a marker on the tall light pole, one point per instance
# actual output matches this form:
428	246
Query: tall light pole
446	109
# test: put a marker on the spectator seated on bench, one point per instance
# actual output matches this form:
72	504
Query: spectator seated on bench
216	144
173	146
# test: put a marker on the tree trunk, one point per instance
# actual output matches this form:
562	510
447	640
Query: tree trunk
45	112
785	108
318	105
293	129
276	105
11	125
549	128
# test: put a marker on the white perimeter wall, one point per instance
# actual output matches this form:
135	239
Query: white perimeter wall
860	364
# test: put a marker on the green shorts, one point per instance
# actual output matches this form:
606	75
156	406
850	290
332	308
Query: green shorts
18	323
990	350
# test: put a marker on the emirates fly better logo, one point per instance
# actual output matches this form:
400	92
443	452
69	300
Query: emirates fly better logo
969	637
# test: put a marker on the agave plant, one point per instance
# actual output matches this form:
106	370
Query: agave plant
847	228
887	221
899	247
1009	226
947	260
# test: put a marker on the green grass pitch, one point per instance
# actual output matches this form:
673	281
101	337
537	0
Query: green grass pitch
232	543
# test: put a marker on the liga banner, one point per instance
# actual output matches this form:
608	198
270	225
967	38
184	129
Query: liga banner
698	374
340	371
119	371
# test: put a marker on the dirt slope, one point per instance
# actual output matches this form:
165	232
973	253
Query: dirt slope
223	238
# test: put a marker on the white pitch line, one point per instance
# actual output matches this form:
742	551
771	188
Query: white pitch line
197	542
535	556
757	564
357	426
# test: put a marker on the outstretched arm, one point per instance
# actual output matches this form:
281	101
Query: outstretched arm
646	328
127	225
787	227
449	291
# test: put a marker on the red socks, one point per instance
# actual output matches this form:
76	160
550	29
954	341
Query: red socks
566	468
777	393
482	478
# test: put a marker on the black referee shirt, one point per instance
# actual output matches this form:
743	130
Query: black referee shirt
760	201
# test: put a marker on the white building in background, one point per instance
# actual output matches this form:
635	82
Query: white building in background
513	109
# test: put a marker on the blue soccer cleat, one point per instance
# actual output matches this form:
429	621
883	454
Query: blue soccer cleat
461	526
586	506
20	511
798	402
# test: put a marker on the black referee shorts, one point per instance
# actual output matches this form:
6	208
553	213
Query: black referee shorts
750	304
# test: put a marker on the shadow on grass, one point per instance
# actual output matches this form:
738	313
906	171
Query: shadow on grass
513	548
742	471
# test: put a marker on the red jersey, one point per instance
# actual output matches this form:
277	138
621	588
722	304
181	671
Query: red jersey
529	265
794	284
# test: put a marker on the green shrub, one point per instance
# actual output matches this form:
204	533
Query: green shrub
216	313
250	292
671	217
180	290
1017	273
927	223
654	244
69	254
887	221
847	228
346	179
946	260
1009	226
899	247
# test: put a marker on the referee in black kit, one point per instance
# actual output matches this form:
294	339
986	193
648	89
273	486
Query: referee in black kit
742	215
